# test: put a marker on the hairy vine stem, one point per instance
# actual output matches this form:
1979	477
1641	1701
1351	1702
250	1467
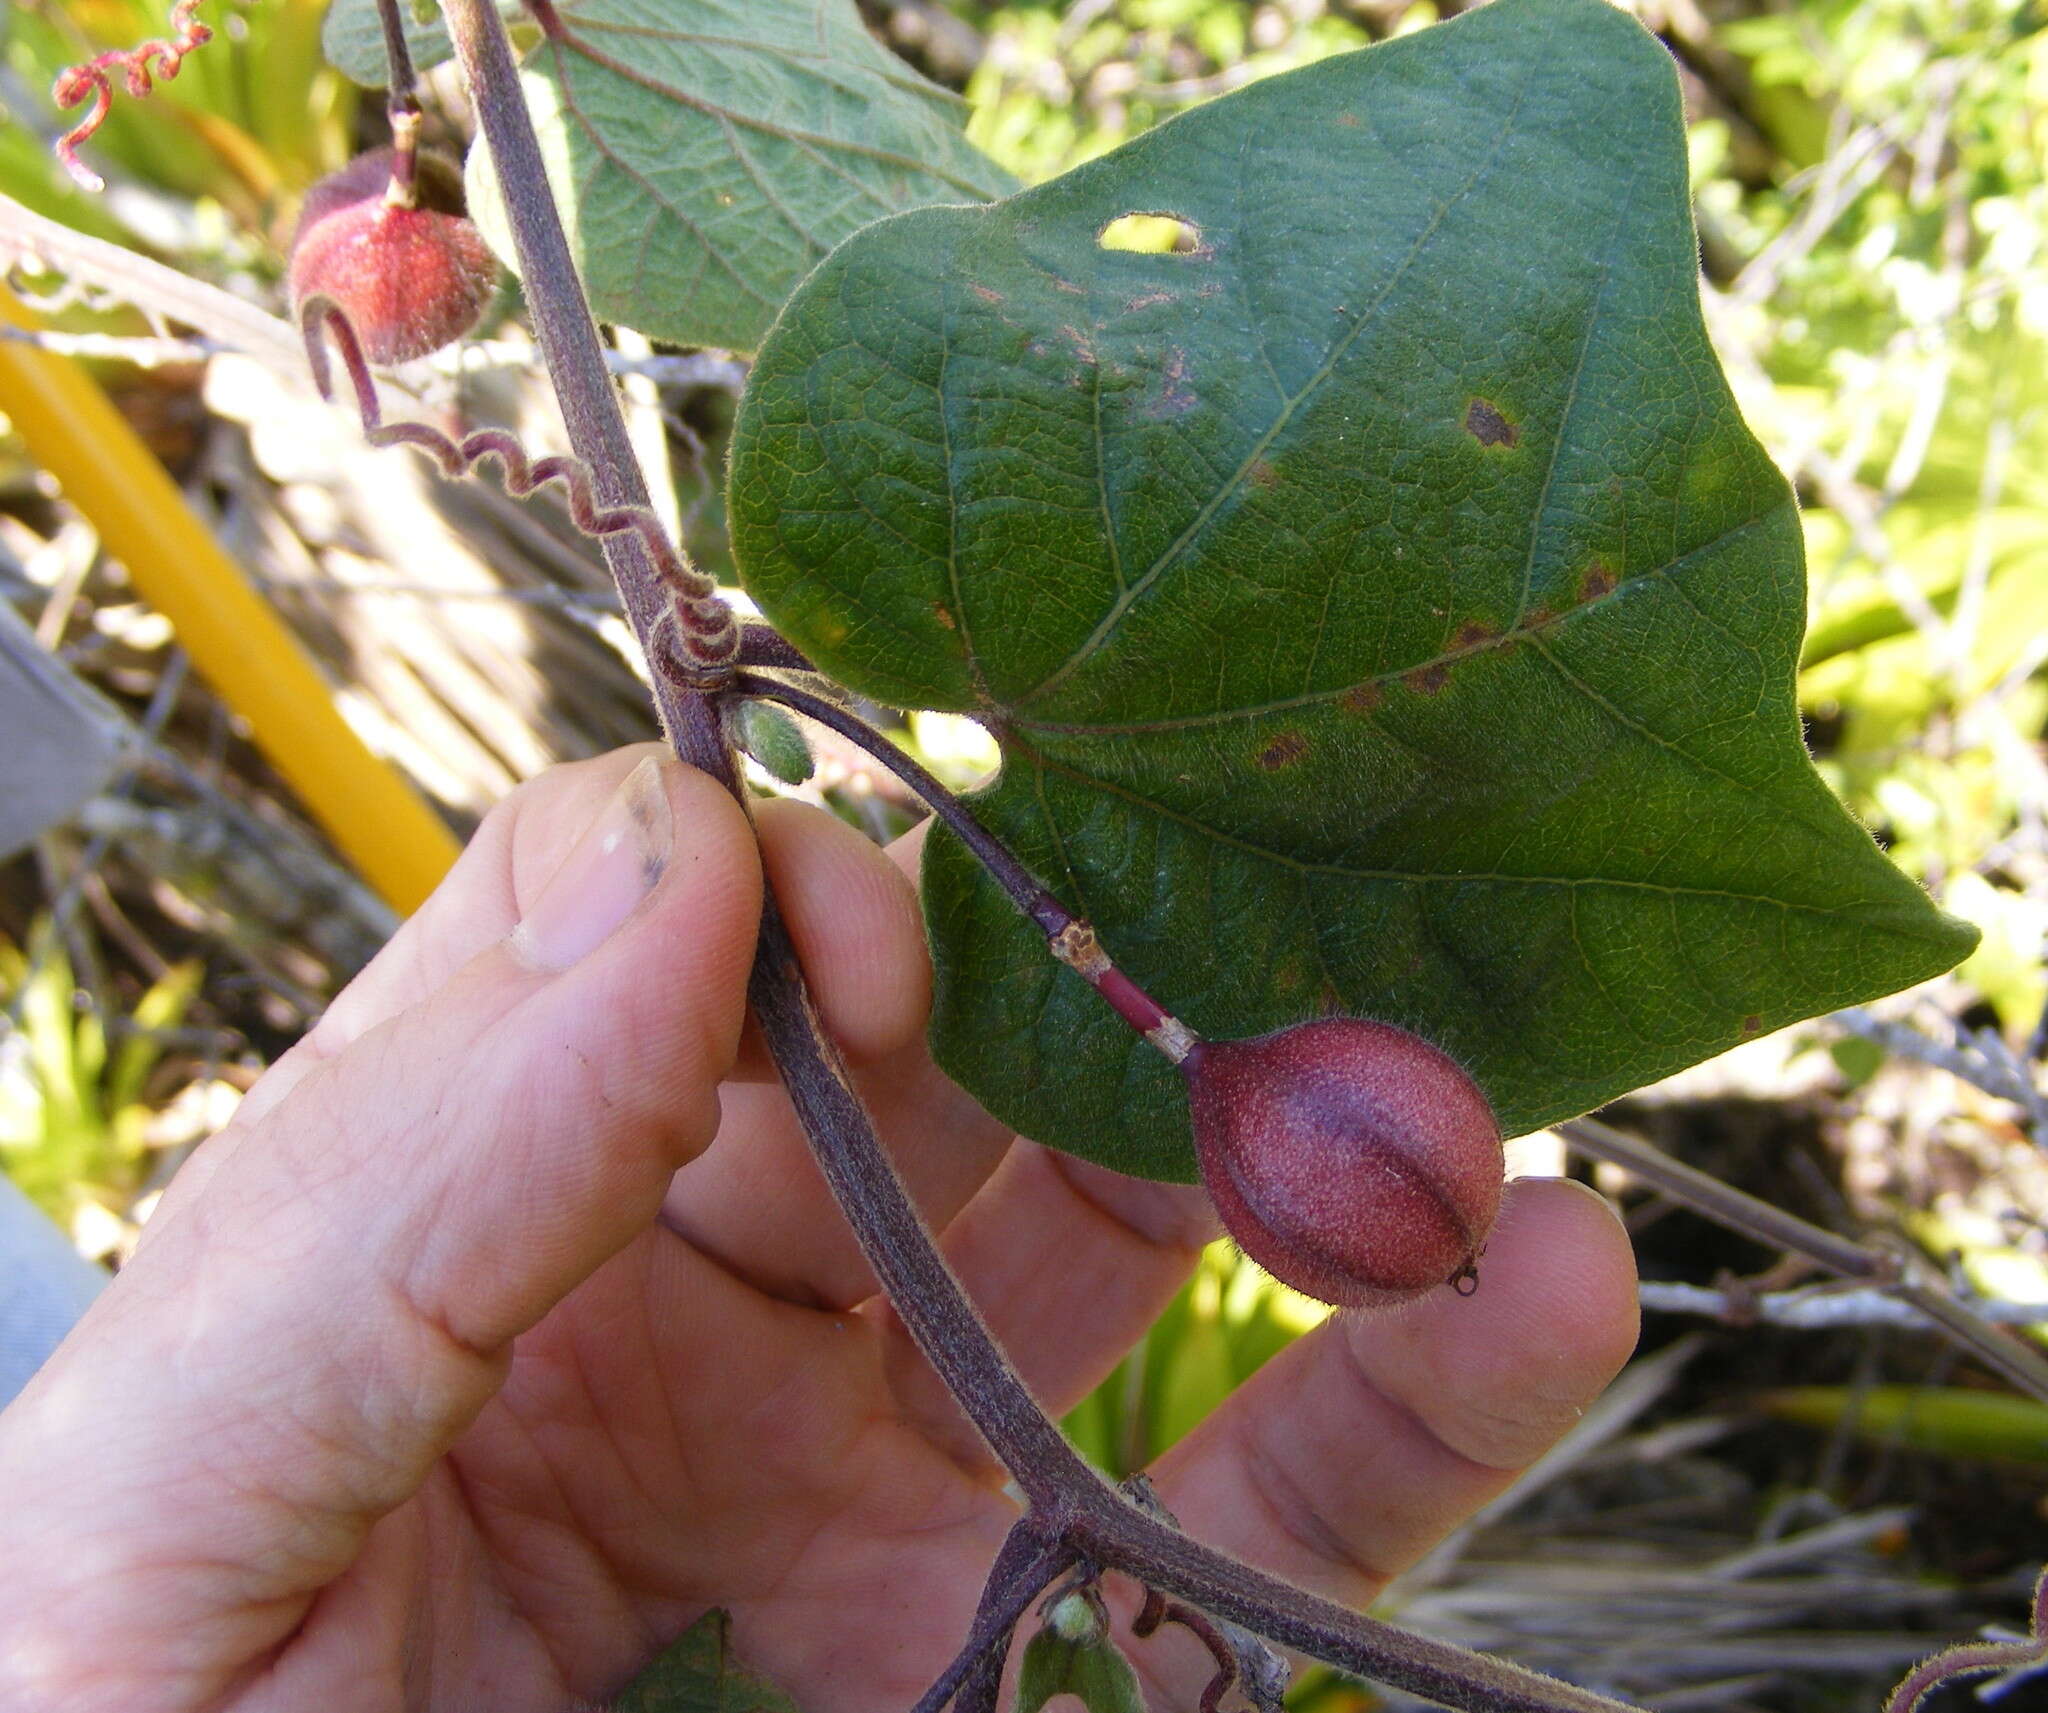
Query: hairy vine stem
401	106
1026	1565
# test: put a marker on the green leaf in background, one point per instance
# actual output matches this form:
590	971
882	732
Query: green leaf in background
698	1674
353	39
1946	1420
1380	603
711	151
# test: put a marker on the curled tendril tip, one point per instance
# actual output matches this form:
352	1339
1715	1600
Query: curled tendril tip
697	640
141	66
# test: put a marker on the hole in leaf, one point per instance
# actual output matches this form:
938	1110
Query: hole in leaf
1151	234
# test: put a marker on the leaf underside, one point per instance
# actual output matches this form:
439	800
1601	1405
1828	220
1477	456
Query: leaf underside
708	153
1380	604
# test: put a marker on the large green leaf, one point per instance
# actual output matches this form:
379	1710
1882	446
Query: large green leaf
708	152
1380	604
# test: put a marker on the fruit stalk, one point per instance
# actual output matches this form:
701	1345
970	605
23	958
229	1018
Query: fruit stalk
1351	1159
401	104
1068	937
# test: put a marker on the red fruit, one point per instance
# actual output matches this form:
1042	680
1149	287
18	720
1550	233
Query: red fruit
410	279
1351	1160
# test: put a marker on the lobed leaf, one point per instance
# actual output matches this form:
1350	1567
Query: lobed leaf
1378	599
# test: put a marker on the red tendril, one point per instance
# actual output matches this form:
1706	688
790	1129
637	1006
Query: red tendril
699	641
142	66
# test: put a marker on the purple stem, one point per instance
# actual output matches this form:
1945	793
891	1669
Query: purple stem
1070	938
402	106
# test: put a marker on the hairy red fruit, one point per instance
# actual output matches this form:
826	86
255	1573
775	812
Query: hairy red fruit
410	279
1351	1160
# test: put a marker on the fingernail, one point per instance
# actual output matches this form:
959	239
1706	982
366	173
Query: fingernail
604	879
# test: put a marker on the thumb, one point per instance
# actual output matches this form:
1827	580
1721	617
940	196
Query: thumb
336	1301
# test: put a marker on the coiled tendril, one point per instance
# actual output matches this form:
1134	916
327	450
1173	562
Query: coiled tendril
160	57
696	643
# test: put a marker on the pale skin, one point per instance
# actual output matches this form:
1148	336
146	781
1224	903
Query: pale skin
508	1326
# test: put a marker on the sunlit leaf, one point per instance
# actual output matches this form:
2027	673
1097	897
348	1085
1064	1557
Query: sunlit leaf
709	152
1381	606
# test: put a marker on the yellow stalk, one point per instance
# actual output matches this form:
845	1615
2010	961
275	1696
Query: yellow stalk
234	638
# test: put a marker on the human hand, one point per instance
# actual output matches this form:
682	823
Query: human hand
482	1352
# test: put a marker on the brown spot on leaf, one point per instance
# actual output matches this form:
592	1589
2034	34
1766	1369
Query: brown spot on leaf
1484	422
1427	680
1348	120
987	294
1146	300
1286	748
1473	634
1362	698
1175	397
1752	1023
1597	581
1263	475
944	614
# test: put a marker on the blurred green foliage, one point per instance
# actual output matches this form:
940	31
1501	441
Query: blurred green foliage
1061	85
248	122
1227	1322
1947	1421
73	1109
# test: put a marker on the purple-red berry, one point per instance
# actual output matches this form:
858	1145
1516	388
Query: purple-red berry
1351	1160
409	278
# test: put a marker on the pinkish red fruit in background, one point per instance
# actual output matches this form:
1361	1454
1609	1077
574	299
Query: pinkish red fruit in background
410	280
1351	1160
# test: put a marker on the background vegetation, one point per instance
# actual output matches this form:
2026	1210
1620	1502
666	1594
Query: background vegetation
1873	220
